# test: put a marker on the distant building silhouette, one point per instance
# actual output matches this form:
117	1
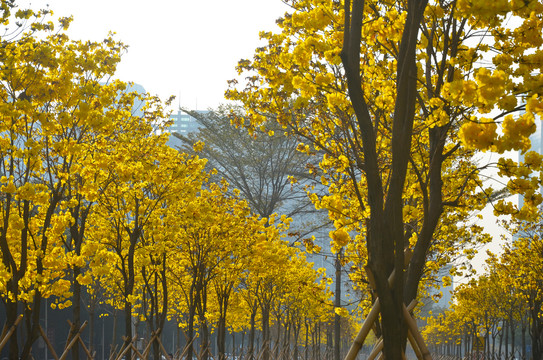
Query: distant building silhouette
183	124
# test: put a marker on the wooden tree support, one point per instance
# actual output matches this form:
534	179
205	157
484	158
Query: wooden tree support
112	351
148	347
82	343
123	349
72	342
186	348
164	352
136	352
6	335
48	343
69	346
413	333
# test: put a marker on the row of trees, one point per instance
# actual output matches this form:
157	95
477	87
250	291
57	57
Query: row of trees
502	307
391	96
94	201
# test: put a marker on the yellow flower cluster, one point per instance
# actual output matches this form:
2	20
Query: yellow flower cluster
479	135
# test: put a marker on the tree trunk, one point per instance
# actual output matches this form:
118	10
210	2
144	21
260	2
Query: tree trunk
512	327
34	311
177	348
251	349
241	352
385	240
504	326
128	327
233	345
278	338
306	340
11	316
265	332
76	313
92	324
205	351
12	286
190	333
523	339
296	329
33	323
221	338
337	318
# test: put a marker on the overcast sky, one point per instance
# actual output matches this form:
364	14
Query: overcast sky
186	48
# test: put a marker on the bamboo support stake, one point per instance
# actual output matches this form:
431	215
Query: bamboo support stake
82	343
124	349
136	353
85	349
364	331
48	343
410	337
376	349
148	347
71	344
368	323
379	346
412	326
186	349
414	345
10	332
112	351
166	354
4	331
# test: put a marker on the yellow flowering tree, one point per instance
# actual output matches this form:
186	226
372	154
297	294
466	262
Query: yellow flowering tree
53	114
214	233
146	176
394	96
519	267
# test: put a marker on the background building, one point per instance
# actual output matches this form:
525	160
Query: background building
183	124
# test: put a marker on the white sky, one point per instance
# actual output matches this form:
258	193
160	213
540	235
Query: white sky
186	48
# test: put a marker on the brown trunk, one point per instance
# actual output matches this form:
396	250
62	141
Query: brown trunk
92	325
277	338
223	299
9	262
337	318
128	328
35	310
205	350
11	316
190	332
32	333
265	332
306	355
386	228
221	338
233	345
76	313
296	329
251	350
